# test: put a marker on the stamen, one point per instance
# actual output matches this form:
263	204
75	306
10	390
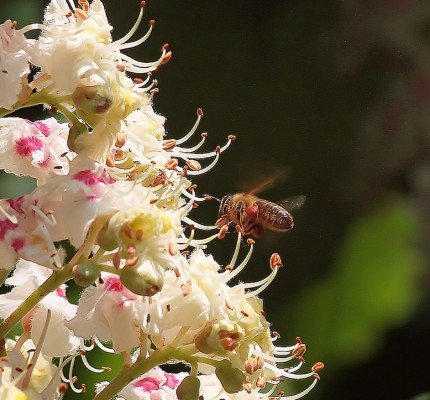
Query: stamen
196	147
123	45
102	346
27	377
228	275
199	226
236	250
193	129
207	168
10	217
133	29
89	366
304	393
73	379
269	280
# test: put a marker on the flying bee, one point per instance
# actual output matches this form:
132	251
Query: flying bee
253	214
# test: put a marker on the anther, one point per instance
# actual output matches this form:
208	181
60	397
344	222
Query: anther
107	369
275	261
151	22
165	47
138	80
200	112
176	271
261	382
207	197
172	164
250	241
64	154
110	162
204	135
166	58
169	144
228	267
231	137
245	314
131	262
120	67
299	340
172	250
184	170
318	366
142	4
120	140
62	387
195	205
194	165
218	150
263	313
299	351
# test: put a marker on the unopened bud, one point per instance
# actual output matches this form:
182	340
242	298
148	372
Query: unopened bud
231	378
142	280
188	389
92	99
85	274
202	337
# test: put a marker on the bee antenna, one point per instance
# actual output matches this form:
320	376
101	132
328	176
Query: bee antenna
210	197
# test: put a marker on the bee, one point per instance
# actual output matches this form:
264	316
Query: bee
253	214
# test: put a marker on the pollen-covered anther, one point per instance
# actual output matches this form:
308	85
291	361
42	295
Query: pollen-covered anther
250	241
120	140
62	387
172	250
184	170
120	67
176	271
299	351
208	197
218	150
166	58
275	261
299	340
240	230
204	135
110	162
172	164
247	387
223	231
195	205
231	137
126	230
151	22
318	366
169	144
107	369
81	14
186	288
228	267
261	383
194	165
253	364
142	4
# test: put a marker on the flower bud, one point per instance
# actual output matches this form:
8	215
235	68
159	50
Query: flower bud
189	388
92	99
231	378
201	339
142	280
85	274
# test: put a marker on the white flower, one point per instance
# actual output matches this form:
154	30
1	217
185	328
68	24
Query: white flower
110	312
13	64
27	277
8	385
33	148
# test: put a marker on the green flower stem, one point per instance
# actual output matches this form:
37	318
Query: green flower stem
137	369
140	367
3	275
53	282
47	98
109	268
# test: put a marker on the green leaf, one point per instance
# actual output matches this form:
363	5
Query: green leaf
372	287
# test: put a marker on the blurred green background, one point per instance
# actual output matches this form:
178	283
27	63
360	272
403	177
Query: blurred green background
336	93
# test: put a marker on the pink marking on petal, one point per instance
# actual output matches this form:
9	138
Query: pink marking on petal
16	204
46	163
171	380
113	284
26	146
6	226
43	128
61	293
18	244
147	384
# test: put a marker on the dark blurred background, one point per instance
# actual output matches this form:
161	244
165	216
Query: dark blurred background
337	95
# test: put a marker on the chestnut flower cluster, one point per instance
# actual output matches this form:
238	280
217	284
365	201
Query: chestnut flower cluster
111	212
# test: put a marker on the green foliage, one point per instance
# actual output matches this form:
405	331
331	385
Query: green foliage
372	287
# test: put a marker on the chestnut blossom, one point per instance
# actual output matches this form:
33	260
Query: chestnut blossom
34	149
111	211
14	65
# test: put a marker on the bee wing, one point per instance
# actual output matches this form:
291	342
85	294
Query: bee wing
292	203
264	184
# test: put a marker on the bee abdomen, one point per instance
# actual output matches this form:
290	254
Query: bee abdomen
274	216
